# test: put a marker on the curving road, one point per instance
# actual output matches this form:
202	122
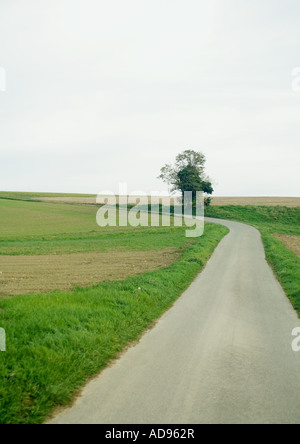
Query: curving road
221	354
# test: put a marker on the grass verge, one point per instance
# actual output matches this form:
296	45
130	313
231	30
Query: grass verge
271	220
57	341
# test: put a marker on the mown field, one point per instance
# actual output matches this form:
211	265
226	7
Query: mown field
58	339
280	230
290	202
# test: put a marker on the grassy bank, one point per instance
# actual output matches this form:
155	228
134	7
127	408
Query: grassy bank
271	220
57	341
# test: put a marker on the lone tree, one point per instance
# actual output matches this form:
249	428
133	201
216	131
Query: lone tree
188	175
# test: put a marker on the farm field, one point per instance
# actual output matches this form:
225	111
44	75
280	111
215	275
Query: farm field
257	201
291	242
44	273
74	295
89	199
290	202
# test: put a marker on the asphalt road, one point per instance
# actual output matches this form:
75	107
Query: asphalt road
221	354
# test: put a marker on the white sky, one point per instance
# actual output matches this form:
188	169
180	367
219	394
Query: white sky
102	92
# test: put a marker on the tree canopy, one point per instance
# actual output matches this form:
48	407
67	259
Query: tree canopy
188	174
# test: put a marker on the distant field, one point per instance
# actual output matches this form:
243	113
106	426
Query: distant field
23	195
216	201
257	201
90	199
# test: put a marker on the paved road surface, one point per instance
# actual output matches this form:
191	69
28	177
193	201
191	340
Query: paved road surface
221	354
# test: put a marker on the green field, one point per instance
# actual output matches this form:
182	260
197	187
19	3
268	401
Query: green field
28	227
57	341
269	221
17	195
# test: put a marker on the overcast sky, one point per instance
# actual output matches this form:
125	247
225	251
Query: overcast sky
102	92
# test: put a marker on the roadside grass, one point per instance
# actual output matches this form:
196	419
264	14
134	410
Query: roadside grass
55	342
271	220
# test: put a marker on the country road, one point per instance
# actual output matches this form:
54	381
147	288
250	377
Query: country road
221	355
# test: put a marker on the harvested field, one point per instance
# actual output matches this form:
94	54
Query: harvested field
291	242
216	201
257	201
40	274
